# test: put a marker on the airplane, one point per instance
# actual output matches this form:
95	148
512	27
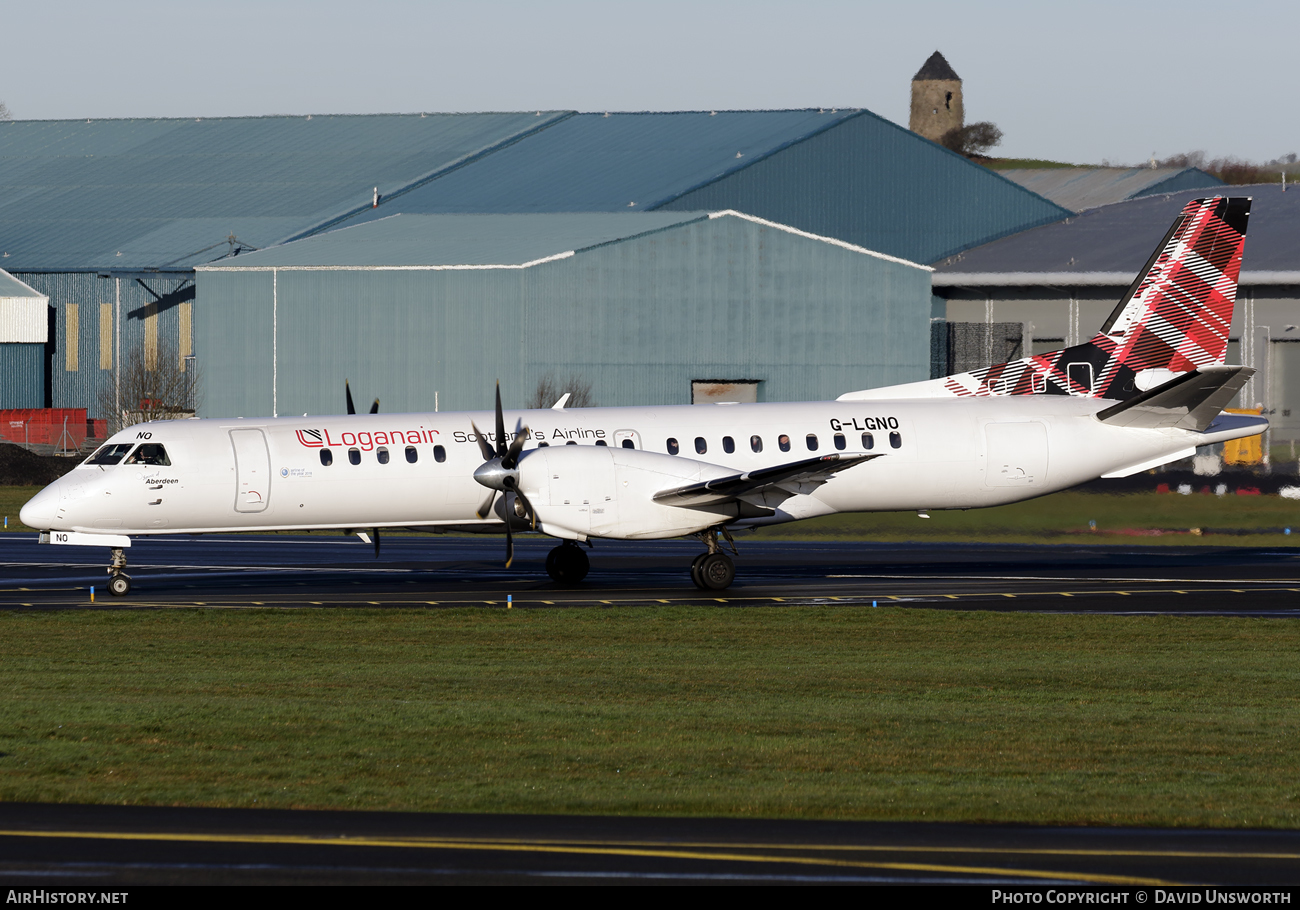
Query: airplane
1146	390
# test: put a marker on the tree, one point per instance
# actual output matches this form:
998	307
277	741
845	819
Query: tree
150	384
972	140
4	112
550	388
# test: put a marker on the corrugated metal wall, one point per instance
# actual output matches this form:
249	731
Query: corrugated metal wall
83	359
22	367
640	319
921	207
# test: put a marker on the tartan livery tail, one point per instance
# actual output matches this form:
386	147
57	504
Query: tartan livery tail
1173	319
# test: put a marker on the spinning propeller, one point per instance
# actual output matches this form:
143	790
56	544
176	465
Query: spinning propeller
500	473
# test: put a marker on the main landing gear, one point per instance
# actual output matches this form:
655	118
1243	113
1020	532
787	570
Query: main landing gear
714	570
119	583
567	563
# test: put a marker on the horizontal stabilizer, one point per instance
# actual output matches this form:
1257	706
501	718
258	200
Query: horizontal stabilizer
729	489
1191	401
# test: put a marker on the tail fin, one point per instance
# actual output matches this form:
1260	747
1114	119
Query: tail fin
1174	318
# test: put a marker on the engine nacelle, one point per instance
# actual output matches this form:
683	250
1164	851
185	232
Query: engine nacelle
595	491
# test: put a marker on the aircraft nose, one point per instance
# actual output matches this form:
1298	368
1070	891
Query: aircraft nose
40	510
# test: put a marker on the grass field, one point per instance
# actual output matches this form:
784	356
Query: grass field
1061	517
1141	518
832	713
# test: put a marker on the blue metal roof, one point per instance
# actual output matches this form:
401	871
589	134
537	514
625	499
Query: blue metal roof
614	162
1079	188
139	194
458	240
1110	244
11	288
846	174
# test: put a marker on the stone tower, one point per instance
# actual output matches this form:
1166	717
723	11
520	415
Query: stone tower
936	99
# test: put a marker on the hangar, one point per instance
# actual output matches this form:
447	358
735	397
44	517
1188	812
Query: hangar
425	310
108	219
1053	286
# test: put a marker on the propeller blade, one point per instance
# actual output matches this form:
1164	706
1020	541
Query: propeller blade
375	532
510	544
516	446
501	424
374	408
483	445
347	390
486	508
528	506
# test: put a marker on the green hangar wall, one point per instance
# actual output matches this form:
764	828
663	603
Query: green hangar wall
639	305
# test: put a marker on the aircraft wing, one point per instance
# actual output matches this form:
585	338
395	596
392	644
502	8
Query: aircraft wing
1191	401
795	477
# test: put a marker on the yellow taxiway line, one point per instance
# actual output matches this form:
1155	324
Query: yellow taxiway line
708	852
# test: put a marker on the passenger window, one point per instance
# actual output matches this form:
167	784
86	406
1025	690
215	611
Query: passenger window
868	441
673	448
812	442
896	440
628	444
150	453
840	442
110	454
412	455
354	456
783	442
571	442
756	443
543	445
601	442
439	454
728	444
326	457
382	454
700	445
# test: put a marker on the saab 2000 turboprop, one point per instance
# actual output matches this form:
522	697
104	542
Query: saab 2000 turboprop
1147	389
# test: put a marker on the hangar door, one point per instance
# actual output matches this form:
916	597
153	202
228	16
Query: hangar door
1015	454
252	470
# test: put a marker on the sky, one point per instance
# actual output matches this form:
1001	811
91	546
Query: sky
1100	82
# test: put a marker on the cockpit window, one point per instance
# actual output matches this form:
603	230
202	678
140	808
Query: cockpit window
110	454
150	453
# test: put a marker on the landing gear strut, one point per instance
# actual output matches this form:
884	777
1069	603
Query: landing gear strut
119	583
567	564
714	570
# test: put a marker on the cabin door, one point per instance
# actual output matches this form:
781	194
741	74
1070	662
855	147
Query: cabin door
252	470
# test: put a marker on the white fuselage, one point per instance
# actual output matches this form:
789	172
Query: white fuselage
268	474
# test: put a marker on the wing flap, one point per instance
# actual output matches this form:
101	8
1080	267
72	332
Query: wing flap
1191	401
797	476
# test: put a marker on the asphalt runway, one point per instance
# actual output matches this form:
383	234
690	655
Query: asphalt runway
432	571
123	845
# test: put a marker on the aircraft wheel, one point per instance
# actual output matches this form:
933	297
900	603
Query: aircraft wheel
717	572
695	571
567	564
119	584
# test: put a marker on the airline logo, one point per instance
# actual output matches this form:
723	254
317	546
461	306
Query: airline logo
367	440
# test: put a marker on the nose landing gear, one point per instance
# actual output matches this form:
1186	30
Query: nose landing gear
714	570
119	583
567	564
